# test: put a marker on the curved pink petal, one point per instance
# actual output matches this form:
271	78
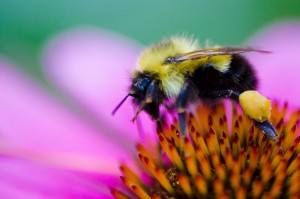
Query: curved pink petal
34	125
28	180
93	66
279	72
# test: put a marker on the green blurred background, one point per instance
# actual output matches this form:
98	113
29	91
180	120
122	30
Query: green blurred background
26	26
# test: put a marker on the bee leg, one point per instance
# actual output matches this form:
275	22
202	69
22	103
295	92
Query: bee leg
182	122
149	98
151	92
266	127
224	93
141	106
181	104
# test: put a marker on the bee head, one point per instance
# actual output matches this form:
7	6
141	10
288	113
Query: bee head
138	90
139	86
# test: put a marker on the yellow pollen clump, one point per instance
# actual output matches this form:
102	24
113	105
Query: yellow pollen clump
255	105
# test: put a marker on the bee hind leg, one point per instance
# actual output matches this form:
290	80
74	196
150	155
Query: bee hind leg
266	127
223	93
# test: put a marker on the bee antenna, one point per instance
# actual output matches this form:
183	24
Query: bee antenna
120	104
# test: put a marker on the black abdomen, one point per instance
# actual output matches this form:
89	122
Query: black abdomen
239	77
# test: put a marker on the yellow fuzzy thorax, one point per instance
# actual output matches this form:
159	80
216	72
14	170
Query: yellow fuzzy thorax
172	76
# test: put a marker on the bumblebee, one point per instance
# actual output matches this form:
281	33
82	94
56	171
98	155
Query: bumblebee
177	69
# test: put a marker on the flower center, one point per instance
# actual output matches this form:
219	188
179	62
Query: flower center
219	160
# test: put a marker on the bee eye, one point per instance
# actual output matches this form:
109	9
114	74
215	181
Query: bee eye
141	83
169	60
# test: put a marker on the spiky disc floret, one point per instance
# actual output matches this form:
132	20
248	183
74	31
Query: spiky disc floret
213	162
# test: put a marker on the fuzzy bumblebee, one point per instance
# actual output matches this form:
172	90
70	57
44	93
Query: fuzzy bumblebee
176	68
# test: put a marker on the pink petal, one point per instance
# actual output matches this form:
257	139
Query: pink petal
26	179
279	72
93	66
36	126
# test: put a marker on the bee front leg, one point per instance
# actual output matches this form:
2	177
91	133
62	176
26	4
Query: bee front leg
181	104
152	98
149	104
151	92
265	126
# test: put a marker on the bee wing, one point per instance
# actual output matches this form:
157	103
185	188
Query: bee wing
208	52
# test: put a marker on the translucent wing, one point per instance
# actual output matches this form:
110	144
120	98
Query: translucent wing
208	52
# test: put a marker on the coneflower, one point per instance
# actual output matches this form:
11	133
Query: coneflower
212	161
